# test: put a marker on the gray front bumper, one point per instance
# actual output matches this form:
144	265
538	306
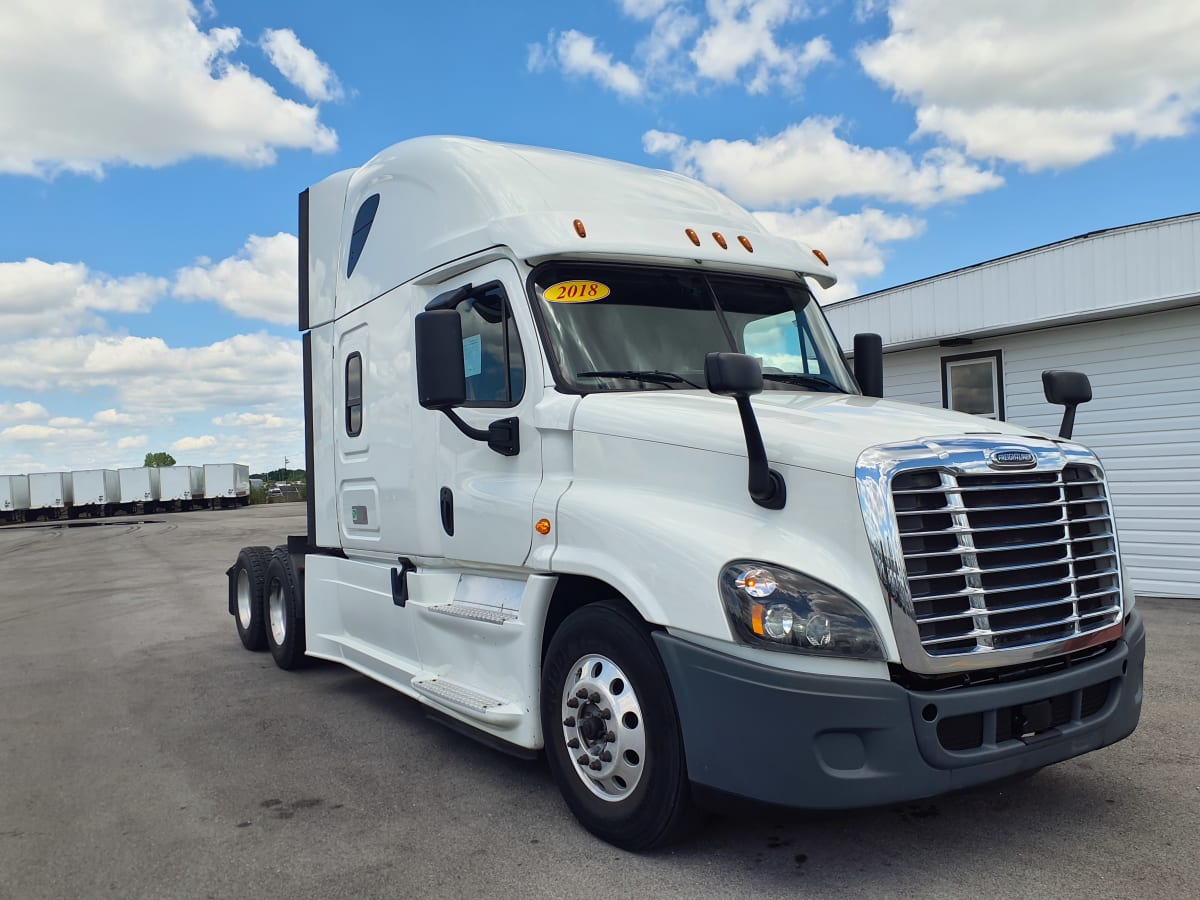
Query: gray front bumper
820	742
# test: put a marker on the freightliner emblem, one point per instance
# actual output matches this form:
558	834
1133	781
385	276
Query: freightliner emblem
1011	458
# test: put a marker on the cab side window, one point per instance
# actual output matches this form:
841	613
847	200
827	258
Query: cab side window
492	356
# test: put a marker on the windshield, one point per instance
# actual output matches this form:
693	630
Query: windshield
622	328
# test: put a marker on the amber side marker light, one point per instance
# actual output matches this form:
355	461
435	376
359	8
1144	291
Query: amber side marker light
542	526
720	239
692	236
745	242
579	229
821	256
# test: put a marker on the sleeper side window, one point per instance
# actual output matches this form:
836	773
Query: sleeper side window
492	357
354	394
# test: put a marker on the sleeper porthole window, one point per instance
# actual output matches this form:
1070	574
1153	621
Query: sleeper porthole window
354	395
362	228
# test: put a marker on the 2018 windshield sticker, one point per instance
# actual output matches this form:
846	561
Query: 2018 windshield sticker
576	292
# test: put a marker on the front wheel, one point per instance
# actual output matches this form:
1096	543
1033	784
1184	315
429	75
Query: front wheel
611	729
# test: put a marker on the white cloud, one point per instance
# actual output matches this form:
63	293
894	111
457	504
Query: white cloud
300	65
742	37
809	161
256	420
153	379
86	85
65	422
112	417
1045	85
23	411
42	298
192	444
853	243
48	433
133	442
577	55
731	41
257	283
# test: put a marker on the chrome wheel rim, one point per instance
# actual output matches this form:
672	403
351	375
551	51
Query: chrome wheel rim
243	598
602	727
275	612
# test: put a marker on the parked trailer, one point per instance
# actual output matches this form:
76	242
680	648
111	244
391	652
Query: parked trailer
181	486
96	491
50	495
140	489
227	484
14	497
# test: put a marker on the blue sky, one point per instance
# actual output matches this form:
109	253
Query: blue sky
151	152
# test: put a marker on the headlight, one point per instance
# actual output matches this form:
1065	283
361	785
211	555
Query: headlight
778	609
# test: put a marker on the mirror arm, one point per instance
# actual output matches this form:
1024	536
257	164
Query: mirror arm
767	487
1068	422
503	435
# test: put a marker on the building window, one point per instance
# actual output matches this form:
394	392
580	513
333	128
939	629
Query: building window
974	383
492	357
354	407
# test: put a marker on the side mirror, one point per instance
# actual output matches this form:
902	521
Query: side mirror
1067	389
442	379
730	374
868	364
738	375
441	376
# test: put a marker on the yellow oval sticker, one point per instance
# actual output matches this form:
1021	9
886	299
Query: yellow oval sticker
576	292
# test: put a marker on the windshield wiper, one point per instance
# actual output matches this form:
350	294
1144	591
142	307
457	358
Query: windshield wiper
810	381
649	377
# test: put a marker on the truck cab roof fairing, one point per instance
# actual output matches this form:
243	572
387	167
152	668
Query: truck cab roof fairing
444	198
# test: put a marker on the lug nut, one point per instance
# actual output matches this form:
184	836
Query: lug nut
594	697
610	737
582	759
606	713
605	756
573	743
569	721
582	693
595	765
573	703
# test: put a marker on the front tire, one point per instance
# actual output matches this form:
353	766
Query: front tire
611	729
281	601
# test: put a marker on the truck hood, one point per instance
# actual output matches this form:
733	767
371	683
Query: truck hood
826	432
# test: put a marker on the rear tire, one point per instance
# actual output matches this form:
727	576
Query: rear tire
281	600
249	573
631	788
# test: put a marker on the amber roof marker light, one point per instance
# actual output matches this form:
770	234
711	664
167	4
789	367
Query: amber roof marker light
692	236
720	239
821	256
745	242
579	229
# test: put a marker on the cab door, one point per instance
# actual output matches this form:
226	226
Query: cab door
484	499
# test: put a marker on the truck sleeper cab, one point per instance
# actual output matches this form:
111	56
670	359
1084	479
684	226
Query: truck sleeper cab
588	474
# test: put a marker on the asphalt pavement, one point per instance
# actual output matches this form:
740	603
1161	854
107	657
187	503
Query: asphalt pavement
144	753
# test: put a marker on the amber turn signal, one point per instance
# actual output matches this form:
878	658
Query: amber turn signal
542	526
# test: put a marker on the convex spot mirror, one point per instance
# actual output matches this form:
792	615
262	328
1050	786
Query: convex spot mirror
732	374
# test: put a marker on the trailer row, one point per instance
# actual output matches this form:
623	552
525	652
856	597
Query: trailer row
140	490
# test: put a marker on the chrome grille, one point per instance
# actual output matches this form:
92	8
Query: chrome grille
1002	560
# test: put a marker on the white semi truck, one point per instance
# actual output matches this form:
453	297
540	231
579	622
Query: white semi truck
588	474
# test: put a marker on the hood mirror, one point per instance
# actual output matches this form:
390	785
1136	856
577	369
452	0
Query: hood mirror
738	375
1067	389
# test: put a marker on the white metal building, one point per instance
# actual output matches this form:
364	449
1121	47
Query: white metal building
1122	306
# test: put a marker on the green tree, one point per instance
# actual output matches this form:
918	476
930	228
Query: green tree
159	460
